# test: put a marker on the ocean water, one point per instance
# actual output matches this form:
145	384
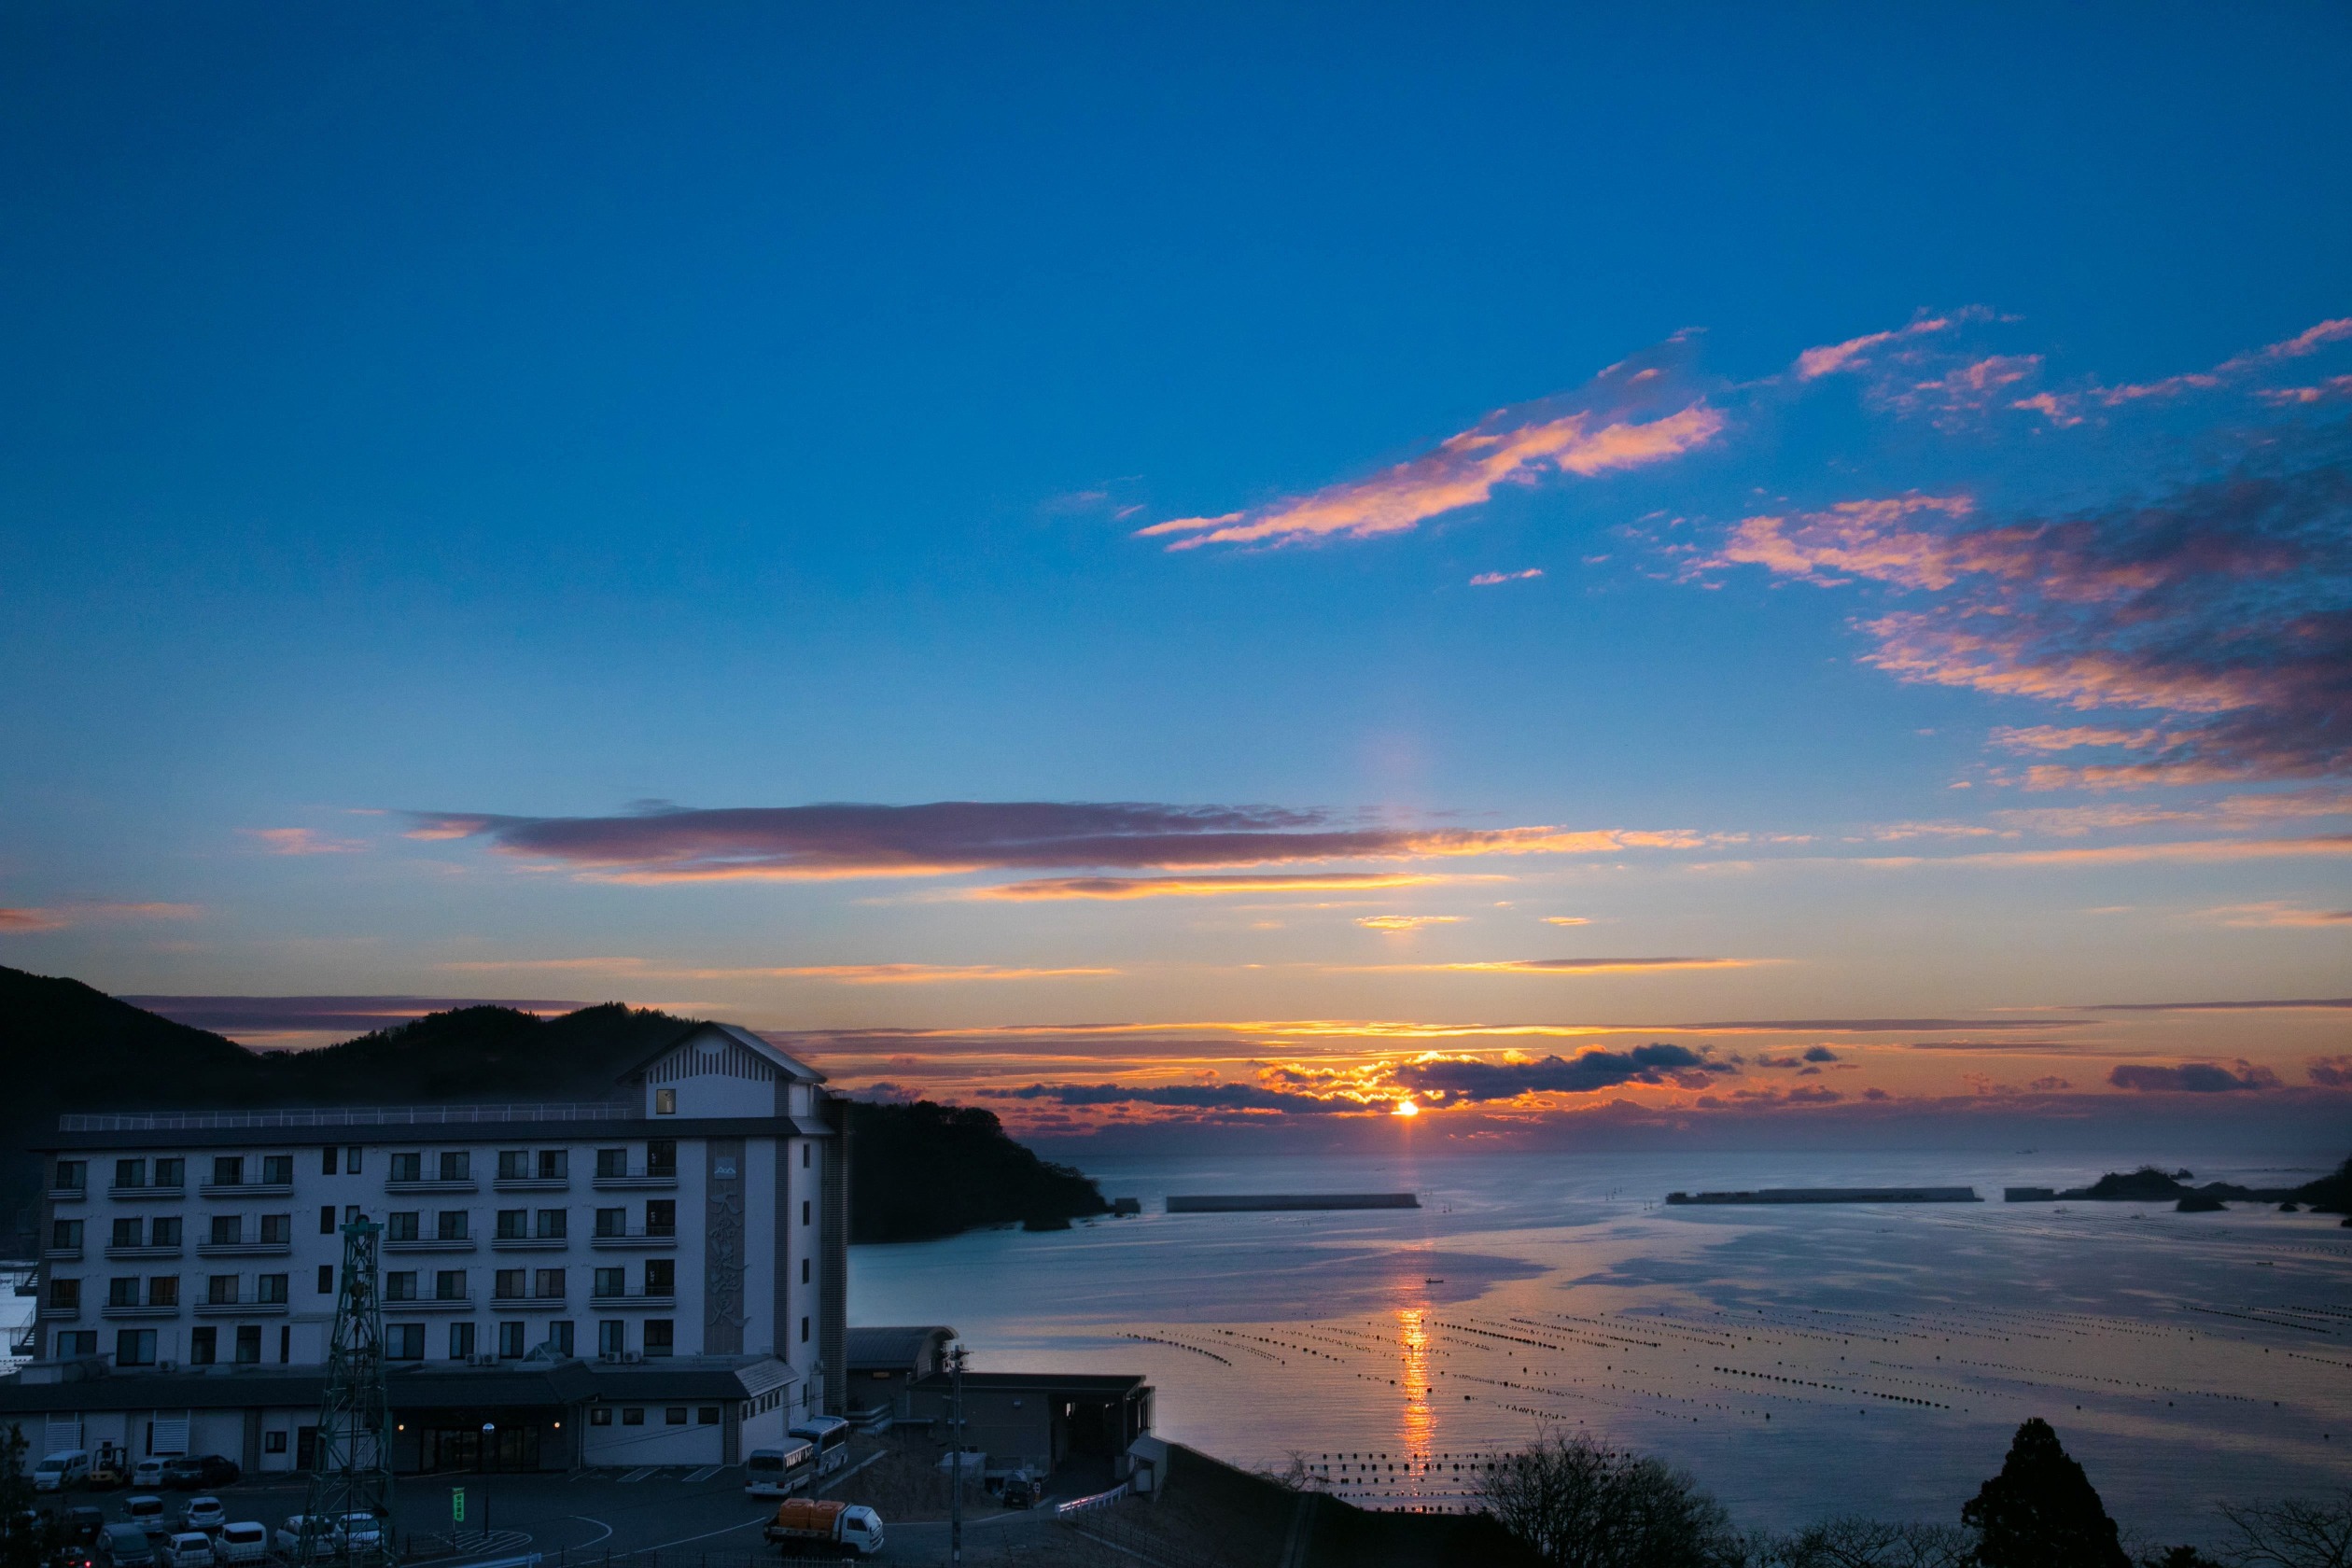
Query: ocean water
1801	1361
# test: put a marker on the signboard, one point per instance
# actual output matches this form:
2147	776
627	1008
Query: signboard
457	1505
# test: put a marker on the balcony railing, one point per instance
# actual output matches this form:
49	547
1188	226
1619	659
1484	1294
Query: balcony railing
67	1195
532	1183
431	1185
241	1305
139	1310
635	1181
433	1245
431	1303
143	1194
249	1248
247	1189
51	1311
137	1254
648	1237
62	1254
633	1298
528	1303
530	1243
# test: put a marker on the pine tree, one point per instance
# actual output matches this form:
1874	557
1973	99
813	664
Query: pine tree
2041	1510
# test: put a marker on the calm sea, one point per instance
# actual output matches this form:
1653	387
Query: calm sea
1799	1361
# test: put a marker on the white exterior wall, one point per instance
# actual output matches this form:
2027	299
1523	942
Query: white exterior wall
654	1443
759	1165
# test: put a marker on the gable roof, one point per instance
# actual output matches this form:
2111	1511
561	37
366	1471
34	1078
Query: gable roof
789	1068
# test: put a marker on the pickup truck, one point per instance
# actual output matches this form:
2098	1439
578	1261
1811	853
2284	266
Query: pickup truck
840	1529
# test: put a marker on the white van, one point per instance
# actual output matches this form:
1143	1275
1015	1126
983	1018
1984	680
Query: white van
780	1472
62	1470
245	1541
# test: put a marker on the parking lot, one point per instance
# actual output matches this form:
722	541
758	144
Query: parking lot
694	1516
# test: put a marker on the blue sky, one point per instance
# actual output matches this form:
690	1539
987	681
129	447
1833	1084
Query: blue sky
453	421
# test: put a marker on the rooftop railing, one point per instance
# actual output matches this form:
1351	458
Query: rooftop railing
350	1116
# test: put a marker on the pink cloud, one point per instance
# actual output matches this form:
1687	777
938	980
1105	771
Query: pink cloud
2062	409
1856	352
304	841
1488	580
26	920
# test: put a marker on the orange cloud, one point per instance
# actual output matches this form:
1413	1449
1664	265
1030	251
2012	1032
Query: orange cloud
1854	352
31	920
1204	887
1551	966
1405	922
2271	915
27	920
304	841
2124	854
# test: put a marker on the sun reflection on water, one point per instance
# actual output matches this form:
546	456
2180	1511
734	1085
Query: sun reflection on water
1418	1424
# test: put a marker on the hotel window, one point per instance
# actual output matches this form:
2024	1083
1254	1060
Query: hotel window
805	1210
633	1414
351	1160
612	1337
330	1160
661	1217
805	1148
65	1236
450	1225
660	1336
706	1415
674	1415
203	1346
76	1342
601	1415
228	1230
228	1171
325	1279
610	1163
804	1271
407	1167
164	1231
171	1172
509	1341
273	1442
612	1281
513	1224
286	1343
65	1295
130	1173
559	1335
449	1284
125	1233
277	1229
277	1170
552	1224
514	1165
456	1165
804	1331
661	1156
163	1290
326	1219
661	1277
270	1289
249	1345
548	1284
665	1102
612	1222
220	1290
400	1285
553	1164
508	1285
461	1341
404	1342
122	1292
71	1175
134	1347
401	1225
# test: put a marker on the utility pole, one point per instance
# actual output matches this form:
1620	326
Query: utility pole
352	1472
956	1452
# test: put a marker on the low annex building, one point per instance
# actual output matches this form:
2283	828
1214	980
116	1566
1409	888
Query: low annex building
656	1278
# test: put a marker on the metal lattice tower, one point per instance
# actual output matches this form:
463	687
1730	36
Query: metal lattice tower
352	1471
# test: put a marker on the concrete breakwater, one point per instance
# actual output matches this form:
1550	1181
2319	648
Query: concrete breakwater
1259	1203
1833	1195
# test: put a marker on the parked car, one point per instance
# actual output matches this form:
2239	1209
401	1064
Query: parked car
190	1471
362	1529
144	1510
204	1514
73	1555
87	1524
241	1542
62	1470
148	1475
1021	1489
188	1549
125	1545
288	1539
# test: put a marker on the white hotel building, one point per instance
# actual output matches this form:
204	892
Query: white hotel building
657	1278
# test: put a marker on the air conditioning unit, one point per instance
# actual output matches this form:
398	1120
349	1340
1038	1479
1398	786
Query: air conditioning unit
632	1355
487	1358
167	1366
610	1356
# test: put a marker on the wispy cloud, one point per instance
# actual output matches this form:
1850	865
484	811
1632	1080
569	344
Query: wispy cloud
303	841
2068	408
27	920
1856	353
1567	919
354	1015
1405	922
2268	914
2331	1072
1597	430
811	843
1490	579
2193	1078
2291	1004
2225	606
1551	966
850	974
1054	888
1472	1078
2204	849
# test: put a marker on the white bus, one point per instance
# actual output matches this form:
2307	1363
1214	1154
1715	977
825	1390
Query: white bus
831	1435
780	1472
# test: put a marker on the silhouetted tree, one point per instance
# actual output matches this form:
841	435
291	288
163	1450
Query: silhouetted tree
2178	1557
2041	1510
28	1539
1579	1504
1864	1542
2295	1534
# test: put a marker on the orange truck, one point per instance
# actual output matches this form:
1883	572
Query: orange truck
830	1528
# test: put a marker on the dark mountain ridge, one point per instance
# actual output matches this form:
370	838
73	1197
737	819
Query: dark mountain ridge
915	1172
